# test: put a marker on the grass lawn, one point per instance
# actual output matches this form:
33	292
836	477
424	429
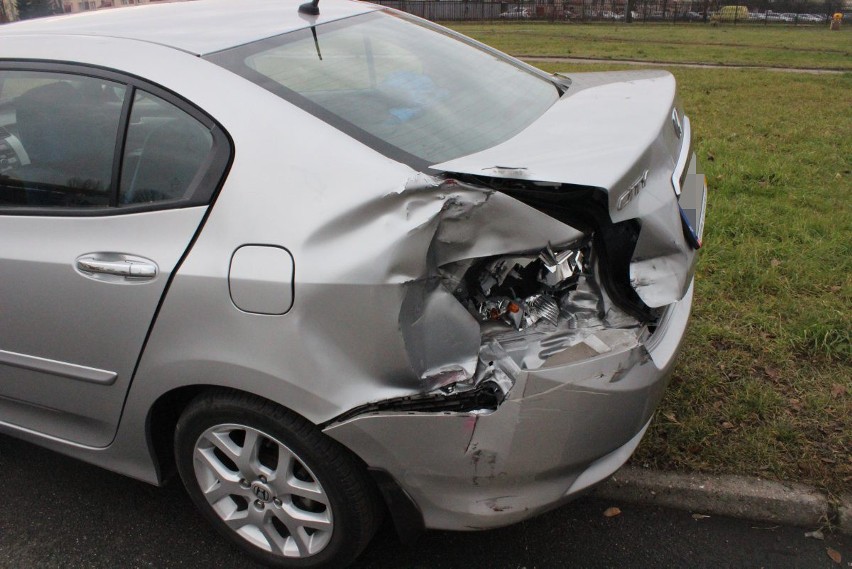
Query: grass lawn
764	384
784	46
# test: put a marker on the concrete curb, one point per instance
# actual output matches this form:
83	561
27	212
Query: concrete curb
756	499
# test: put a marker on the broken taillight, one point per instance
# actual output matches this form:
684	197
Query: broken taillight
523	290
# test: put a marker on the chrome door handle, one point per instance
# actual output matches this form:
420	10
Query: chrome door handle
109	266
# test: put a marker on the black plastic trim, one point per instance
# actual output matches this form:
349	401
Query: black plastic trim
406	515
120	142
486	396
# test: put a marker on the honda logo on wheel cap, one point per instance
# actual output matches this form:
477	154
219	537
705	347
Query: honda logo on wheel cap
262	493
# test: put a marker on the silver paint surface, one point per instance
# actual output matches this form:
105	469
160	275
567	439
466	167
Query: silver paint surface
370	320
606	132
53	312
261	279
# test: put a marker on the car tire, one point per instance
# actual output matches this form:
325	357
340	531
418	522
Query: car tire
273	484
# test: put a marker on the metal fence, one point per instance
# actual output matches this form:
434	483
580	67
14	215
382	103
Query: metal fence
761	12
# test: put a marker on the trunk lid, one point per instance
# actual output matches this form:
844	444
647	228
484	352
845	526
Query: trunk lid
622	133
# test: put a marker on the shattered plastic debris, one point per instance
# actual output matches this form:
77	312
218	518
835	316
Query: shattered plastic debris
541	307
525	290
560	266
447	377
497	366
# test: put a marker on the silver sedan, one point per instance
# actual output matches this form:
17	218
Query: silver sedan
330	261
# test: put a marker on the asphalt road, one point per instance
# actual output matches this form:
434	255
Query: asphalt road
58	512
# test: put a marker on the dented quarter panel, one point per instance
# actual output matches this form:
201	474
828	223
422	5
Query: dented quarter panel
365	258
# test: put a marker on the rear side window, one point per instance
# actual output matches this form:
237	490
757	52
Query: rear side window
407	90
164	152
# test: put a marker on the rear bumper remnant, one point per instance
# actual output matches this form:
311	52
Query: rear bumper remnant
562	428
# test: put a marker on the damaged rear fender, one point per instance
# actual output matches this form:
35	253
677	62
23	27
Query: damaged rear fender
400	241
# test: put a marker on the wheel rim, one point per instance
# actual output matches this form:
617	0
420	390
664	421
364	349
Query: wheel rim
263	491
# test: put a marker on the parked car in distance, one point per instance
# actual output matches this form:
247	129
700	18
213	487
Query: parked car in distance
515	14
731	14
316	272
771	16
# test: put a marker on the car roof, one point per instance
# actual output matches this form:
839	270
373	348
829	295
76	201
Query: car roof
198	27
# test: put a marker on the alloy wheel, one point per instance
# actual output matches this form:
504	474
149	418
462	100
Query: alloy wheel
263	491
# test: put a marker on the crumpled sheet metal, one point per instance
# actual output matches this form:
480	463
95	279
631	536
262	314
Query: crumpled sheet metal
439	334
391	247
404	236
664	260
503	225
477	471
659	270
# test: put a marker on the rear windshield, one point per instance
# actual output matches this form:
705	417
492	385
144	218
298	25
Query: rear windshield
410	91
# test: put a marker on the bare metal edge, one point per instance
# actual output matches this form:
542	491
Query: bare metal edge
683	158
62	369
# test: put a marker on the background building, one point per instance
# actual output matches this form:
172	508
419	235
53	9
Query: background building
71	6
11	10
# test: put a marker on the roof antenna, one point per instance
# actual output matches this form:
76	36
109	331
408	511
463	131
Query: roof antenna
316	41
310	8
311	11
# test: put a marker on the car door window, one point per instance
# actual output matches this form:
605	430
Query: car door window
57	138
165	151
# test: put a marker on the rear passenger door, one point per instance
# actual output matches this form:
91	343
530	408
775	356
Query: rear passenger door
104	182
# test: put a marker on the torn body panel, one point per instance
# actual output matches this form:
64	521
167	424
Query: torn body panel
409	249
523	278
561	428
429	224
519	410
539	301
569	321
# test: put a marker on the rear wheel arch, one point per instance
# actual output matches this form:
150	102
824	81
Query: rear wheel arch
161	423
166	412
348	496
